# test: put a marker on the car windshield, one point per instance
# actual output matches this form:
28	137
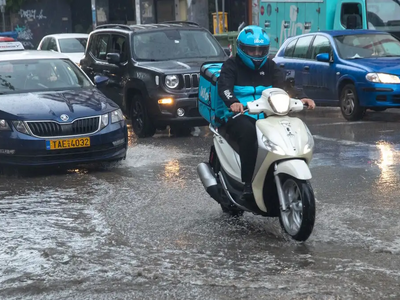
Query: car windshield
72	45
383	15
175	44
19	76
367	46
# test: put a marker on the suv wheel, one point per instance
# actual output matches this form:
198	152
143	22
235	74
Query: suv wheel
141	123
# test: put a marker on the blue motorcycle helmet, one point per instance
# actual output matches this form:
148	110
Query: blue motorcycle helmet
253	46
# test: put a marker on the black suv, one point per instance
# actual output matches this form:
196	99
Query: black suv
153	71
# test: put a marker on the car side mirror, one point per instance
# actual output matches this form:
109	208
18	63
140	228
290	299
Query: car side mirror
325	57
227	51
113	58
100	80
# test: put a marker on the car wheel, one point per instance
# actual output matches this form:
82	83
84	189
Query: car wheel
349	104
141	122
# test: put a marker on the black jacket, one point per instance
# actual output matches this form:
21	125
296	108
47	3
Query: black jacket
236	76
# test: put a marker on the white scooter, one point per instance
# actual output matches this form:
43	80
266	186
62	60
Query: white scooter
280	182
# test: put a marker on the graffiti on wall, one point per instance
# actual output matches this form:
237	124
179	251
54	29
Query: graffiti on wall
31	14
36	19
26	20
24	32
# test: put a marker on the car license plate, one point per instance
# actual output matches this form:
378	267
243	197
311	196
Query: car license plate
68	143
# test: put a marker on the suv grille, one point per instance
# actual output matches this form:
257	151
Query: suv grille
191	80
52	128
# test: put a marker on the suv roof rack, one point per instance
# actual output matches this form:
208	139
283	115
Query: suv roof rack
123	26
180	22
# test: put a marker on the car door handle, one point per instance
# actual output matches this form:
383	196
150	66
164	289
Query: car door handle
306	68
282	65
89	68
106	72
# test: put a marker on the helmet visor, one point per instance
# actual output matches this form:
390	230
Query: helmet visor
255	51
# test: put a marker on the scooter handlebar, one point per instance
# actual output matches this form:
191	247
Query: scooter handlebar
245	109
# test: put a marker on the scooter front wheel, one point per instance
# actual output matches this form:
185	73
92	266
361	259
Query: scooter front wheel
299	217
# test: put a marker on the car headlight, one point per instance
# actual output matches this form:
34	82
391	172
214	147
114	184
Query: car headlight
382	78
172	81
310	144
21	127
104	121
280	103
272	147
117	116
4	125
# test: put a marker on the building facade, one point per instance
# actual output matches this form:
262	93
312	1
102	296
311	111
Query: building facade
36	18
156	11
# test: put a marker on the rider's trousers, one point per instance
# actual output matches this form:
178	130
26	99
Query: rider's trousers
242	130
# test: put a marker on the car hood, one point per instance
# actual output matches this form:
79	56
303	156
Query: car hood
176	66
388	65
50	105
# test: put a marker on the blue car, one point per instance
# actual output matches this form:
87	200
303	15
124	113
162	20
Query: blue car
353	69
52	114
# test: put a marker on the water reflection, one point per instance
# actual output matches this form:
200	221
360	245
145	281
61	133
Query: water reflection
132	139
388	179
172	170
386	156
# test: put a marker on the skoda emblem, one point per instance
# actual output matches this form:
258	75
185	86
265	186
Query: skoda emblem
64	117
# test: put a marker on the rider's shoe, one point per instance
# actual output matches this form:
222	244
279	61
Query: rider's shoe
247	192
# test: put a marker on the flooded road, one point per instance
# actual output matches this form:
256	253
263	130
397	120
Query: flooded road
146	229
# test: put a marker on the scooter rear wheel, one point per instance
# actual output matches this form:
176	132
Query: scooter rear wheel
299	217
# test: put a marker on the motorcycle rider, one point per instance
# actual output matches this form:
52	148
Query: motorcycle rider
242	79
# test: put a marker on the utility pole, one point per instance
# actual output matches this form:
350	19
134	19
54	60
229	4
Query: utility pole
137	11
3	10
94	14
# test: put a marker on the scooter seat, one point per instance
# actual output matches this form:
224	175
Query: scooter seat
231	142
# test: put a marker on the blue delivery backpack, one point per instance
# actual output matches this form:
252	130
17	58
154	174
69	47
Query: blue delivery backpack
211	106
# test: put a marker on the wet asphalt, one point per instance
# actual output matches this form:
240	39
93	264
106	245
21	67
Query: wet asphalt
146	229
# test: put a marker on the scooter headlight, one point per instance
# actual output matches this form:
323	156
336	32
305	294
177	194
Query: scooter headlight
310	144
272	147
280	103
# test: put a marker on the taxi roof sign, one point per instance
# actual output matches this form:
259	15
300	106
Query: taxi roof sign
11	46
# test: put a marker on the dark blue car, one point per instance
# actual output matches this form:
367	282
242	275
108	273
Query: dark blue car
353	69
52	114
